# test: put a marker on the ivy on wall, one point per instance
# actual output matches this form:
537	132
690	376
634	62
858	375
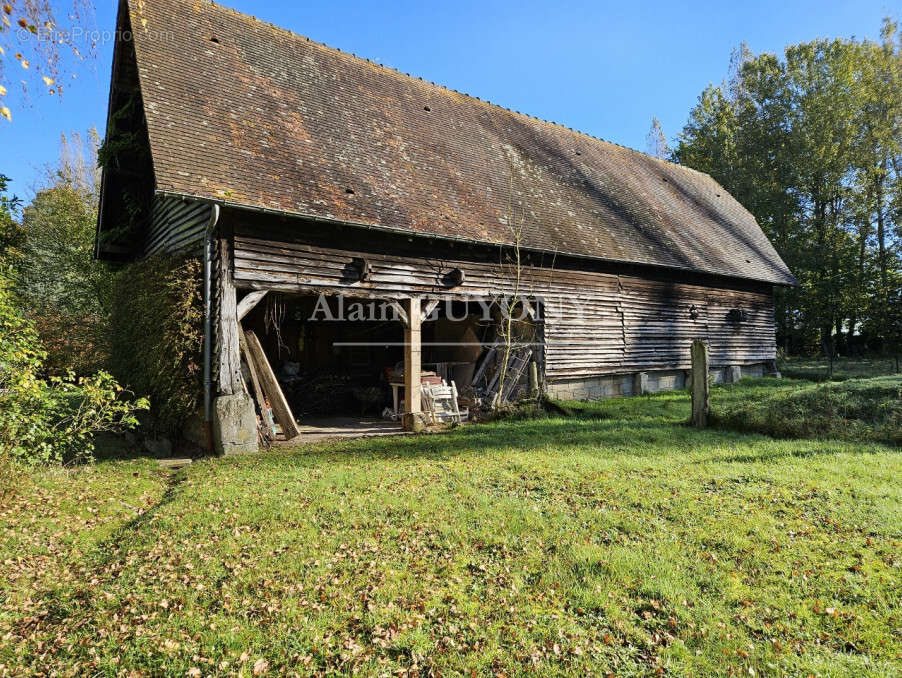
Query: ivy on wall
157	337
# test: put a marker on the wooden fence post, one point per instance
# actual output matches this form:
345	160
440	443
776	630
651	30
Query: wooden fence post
699	384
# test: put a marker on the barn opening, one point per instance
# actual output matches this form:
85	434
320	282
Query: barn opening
340	360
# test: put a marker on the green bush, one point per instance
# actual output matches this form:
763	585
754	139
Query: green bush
50	420
855	409
156	337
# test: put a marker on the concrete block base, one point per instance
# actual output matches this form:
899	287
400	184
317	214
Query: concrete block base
635	383
234	425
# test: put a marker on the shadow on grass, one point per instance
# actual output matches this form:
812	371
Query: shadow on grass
603	436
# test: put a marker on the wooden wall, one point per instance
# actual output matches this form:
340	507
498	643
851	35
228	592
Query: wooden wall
177	225
596	322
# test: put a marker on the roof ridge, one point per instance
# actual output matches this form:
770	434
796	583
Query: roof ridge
445	88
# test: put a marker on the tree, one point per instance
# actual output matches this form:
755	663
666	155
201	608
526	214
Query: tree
809	143
66	292
37	37
656	142
12	235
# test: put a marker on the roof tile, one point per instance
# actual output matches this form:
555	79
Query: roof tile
275	120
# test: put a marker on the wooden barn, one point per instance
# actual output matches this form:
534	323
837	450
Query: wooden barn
302	174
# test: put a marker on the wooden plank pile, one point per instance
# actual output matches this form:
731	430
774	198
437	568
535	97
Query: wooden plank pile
270	399
490	370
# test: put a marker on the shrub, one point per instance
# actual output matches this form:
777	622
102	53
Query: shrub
54	420
157	337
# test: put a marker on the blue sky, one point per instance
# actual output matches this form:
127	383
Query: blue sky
601	67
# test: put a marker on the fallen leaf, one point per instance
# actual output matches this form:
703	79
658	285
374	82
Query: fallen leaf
261	666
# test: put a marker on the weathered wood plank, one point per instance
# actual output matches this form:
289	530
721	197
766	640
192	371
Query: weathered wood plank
228	373
271	388
699	385
250	300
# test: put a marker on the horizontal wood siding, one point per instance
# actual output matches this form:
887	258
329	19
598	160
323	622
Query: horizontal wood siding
595	323
177	225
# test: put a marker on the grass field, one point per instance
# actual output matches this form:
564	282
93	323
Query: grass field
617	541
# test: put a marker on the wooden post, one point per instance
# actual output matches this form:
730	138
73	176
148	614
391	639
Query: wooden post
533	378
640	383
228	358
699	384
412	364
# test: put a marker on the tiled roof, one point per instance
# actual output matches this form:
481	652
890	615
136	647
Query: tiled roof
241	111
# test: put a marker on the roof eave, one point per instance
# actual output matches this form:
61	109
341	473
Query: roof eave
452	238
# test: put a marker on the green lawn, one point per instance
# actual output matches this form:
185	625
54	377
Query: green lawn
816	369
616	541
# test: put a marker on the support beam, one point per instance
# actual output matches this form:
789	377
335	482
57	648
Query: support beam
402	314
228	359
429	308
250	300
412	365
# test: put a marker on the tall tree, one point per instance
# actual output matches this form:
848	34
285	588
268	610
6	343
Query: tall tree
65	291
810	145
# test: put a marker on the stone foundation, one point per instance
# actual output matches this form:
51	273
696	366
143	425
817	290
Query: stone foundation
634	383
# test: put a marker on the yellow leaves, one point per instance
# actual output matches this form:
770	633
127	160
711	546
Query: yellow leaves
2	91
4	111
25	63
47	81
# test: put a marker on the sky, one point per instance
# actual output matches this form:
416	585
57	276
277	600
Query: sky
605	68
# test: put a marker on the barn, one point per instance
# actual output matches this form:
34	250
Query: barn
366	225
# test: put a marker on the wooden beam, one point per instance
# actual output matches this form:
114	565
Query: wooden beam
402	314
412	364
429	308
271	387
250	300
228	359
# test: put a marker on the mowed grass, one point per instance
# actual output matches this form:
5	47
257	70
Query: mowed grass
618	541
817	369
